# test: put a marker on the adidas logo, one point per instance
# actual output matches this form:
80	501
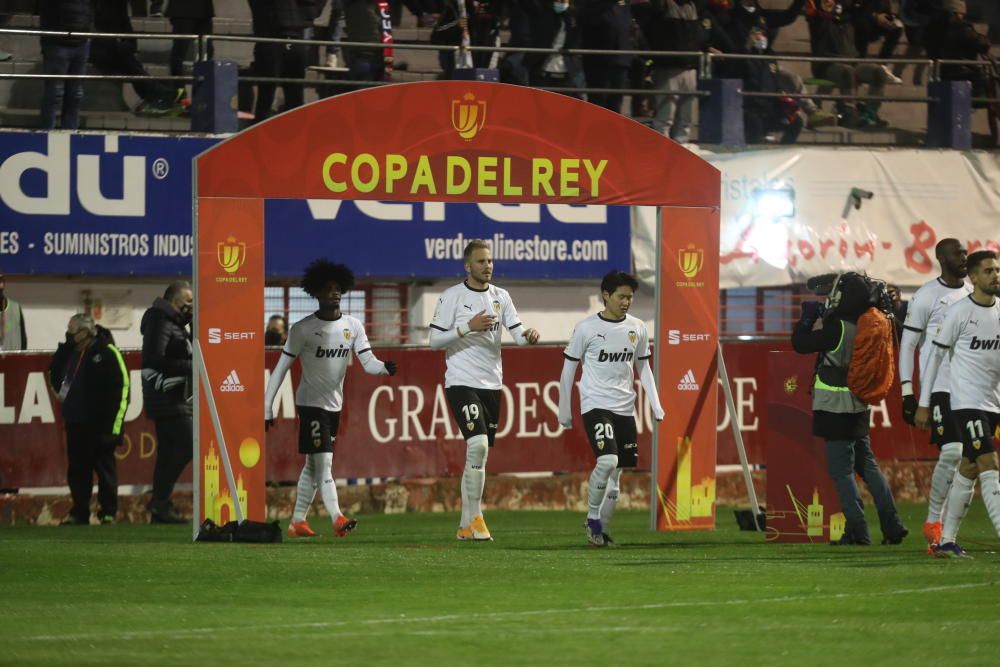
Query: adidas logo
232	383
688	382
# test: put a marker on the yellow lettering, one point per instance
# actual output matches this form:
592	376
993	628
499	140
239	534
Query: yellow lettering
451	186
359	161
423	177
569	176
508	189
332	159
541	176
486	174
595	175
395	169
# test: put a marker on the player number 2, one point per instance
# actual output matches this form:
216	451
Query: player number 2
471	412
975	428
602	431
314	429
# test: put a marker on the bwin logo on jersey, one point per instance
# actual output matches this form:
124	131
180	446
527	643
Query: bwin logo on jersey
331	353
985	343
624	355
688	382
56	166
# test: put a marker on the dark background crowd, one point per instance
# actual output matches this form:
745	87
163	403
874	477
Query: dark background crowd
873	30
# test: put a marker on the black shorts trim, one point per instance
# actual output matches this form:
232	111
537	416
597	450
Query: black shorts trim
317	429
476	411
569	357
434	326
978	429
943	424
612	433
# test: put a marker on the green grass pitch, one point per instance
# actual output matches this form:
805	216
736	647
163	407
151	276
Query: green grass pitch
402	591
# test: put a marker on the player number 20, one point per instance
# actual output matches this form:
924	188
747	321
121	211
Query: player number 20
975	428
602	431
471	412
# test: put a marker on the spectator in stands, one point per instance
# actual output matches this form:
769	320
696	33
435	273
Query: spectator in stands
362	23
831	35
875	20
277	330
899	308
763	115
545	24
278	19
120	57
481	21
915	15
950	36
188	17
676	25
167	391
64	55
5	55
606	25
12	333
88	375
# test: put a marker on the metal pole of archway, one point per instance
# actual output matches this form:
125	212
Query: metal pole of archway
738	437
654	491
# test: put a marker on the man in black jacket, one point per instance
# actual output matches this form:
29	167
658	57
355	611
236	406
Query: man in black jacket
840	417
188	17
281	19
606	25
88	375
166	392
950	36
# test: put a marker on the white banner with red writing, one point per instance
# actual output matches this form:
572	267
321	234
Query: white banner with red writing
917	197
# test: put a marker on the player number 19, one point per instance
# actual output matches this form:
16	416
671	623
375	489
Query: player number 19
471	412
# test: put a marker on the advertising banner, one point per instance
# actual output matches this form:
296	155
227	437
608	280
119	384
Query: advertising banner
401	427
230	310
688	319
119	205
876	210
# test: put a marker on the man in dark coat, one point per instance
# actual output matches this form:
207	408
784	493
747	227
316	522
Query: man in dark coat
166	392
280	19
88	374
64	55
188	17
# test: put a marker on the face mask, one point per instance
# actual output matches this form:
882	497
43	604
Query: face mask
560	7
760	43
187	311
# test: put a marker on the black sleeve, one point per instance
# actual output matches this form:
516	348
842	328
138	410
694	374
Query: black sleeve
779	18
57	366
805	340
154	351
112	380
24	332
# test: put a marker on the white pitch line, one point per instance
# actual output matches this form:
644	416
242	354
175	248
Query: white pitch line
124	636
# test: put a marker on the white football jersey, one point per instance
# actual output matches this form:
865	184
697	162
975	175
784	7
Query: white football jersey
971	334
608	349
474	360
925	314
324	349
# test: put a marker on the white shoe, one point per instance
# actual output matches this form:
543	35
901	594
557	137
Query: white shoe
332	60
891	78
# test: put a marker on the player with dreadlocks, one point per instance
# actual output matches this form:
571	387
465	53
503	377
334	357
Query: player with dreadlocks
323	343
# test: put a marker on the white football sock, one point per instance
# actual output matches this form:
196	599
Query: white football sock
610	498
599	483
989	487
323	470
305	492
941	478
474	478
959	499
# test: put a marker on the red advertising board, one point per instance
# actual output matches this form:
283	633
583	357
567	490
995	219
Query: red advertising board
400	426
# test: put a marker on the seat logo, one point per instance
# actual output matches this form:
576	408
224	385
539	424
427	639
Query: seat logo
468	116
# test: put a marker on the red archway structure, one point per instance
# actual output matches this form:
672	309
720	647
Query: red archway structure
449	141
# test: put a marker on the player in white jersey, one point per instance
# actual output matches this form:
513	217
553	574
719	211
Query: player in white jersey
467	325
923	317
970	336
323	343
610	344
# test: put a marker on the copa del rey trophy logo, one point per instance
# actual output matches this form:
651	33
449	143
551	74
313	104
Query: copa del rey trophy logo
468	115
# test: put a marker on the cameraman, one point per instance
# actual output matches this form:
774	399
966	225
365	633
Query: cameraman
840	417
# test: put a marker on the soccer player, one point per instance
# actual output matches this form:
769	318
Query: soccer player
467	324
323	343
970	336
610	344
925	313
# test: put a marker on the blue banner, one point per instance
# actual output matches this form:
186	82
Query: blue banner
117	205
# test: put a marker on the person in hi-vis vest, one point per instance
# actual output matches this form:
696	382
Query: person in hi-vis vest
12	333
